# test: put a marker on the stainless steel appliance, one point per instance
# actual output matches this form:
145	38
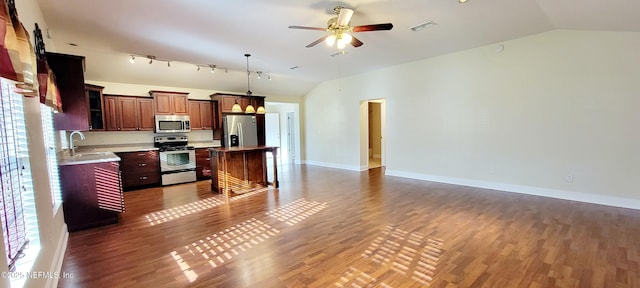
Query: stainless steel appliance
172	124
239	130
177	160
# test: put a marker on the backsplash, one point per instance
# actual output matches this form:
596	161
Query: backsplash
135	137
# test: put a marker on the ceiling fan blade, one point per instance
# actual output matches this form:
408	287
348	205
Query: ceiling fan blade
355	42
314	43
308	28
373	27
344	17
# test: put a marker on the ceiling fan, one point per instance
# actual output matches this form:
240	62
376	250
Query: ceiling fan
340	31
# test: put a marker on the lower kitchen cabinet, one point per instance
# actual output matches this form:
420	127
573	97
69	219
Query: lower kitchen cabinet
203	162
140	168
91	194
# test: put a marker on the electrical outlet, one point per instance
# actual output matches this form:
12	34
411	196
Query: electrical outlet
569	178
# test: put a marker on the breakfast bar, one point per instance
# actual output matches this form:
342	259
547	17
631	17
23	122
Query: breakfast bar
237	170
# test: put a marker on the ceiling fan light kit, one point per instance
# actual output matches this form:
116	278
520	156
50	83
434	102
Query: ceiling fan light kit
340	30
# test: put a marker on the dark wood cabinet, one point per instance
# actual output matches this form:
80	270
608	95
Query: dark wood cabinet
140	168
170	103
69	73
201	114
203	162
128	113
96	107
91	194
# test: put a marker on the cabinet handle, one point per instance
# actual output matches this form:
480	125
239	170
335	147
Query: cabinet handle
208	159
143	177
142	164
141	154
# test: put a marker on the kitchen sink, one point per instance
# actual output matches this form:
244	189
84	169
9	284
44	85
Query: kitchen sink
92	154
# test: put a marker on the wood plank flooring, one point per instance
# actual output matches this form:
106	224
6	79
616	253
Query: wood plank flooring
333	228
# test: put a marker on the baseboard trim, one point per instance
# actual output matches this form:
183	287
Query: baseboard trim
522	189
336	166
58	257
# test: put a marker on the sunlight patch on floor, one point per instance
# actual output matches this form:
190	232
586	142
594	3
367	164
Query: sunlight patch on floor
166	215
297	211
409	254
213	251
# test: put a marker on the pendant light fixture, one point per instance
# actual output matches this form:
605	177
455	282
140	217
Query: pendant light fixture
249	108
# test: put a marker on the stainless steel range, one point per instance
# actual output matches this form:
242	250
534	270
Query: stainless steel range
177	160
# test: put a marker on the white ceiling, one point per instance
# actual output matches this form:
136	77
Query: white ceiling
220	32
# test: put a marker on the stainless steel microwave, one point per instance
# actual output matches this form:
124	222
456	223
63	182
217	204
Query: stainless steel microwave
172	124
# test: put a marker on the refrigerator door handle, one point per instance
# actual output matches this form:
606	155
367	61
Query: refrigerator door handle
240	135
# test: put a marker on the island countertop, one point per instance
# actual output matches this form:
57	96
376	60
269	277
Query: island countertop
243	148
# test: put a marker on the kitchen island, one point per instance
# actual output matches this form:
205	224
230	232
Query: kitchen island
237	170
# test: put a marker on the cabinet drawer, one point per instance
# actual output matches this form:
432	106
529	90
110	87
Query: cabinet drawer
140	166
139	179
137	156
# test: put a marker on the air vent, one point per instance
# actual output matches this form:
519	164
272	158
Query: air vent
422	26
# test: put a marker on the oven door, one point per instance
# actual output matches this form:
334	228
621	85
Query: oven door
177	160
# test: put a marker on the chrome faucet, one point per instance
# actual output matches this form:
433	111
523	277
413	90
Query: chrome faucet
72	148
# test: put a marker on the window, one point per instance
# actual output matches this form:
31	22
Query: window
17	209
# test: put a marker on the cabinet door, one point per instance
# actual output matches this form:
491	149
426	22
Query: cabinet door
96	107
69	72
195	115
110	113
145	114
163	103
180	105
226	103
127	113
206	115
203	162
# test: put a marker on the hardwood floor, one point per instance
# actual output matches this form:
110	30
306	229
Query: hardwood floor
333	228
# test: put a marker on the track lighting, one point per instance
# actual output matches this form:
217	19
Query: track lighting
213	67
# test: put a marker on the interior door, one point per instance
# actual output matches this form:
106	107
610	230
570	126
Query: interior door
272	127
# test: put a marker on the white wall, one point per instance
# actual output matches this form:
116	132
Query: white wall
550	106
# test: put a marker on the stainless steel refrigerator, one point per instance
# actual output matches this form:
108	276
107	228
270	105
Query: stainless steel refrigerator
239	130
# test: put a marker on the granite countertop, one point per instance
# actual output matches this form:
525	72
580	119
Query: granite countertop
117	148
205	144
88	158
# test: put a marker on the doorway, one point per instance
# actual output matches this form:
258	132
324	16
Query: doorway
282	130
373	148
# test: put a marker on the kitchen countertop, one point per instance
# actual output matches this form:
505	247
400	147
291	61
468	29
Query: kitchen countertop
88	158
140	147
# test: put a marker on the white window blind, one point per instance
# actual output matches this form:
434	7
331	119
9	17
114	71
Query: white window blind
50	145
15	178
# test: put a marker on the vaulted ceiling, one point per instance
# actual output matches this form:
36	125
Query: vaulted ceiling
216	32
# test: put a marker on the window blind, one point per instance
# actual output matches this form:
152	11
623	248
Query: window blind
50	144
14	177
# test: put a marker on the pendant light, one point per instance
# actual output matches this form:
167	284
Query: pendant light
250	108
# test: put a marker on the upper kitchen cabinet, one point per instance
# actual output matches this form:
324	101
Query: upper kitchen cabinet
128	113
170	103
69	73
226	101
201	115
96	106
